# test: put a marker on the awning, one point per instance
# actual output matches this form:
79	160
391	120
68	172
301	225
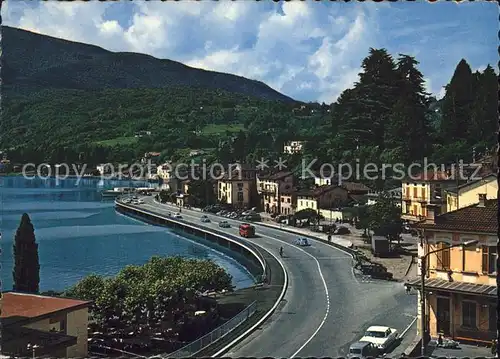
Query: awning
456	287
15	340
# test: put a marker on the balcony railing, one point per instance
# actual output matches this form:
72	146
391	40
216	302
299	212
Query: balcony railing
268	190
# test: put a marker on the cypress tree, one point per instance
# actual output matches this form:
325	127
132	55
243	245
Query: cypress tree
457	104
26	273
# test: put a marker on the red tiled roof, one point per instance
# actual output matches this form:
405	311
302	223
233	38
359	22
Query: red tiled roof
31	306
276	176
432	176
354	187
468	219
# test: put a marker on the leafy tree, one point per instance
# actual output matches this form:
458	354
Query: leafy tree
385	218
26	273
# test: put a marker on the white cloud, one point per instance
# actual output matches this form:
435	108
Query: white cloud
310	51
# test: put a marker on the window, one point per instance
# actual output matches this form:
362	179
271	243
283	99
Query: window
288	200
282	199
415	192
492	317
240	186
443	257
240	196
489	260
423	193
469	314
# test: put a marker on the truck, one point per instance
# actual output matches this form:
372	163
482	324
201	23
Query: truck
380	246
247	230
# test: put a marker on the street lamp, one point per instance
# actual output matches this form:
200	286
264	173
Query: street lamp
423	271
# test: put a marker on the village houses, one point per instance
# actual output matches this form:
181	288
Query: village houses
53	327
467	194
237	187
327	199
460	283
270	188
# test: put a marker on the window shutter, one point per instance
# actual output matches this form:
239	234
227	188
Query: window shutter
485	259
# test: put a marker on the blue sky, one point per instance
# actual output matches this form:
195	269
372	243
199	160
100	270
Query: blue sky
311	51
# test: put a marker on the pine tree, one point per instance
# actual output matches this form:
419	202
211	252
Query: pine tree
457	105
372	99
484	113
408	128
26	273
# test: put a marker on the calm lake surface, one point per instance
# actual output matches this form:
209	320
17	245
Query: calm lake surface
78	233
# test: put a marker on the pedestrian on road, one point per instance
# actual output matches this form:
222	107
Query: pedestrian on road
281	251
329	238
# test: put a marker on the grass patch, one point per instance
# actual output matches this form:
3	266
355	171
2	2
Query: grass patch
214	129
131	140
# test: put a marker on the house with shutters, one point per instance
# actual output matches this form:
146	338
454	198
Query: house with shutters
460	282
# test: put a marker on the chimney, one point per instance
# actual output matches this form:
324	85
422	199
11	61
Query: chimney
482	199
431	214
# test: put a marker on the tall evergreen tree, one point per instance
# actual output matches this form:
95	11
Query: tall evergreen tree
484	113
375	95
26	273
408	128
457	104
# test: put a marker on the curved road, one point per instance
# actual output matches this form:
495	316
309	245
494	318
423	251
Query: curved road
326	307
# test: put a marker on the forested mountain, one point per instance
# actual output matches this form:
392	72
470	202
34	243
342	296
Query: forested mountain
386	117
32	62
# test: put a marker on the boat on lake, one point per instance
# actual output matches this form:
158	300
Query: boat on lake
117	191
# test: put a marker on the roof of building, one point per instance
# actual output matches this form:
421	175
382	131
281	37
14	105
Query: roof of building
488	177
348	186
456	286
275	176
472	218
432	176
22	306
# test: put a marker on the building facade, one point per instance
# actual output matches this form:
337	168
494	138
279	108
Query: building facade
423	190
293	147
58	326
331	196
460	283
237	187
468	193
270	188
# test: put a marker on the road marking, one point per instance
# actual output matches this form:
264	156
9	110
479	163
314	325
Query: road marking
408	327
322	279
267	315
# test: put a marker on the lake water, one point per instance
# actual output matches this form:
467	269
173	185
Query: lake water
78	233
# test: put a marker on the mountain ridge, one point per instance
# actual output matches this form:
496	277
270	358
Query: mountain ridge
74	65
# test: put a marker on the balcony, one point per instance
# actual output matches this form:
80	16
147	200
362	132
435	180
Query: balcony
269	191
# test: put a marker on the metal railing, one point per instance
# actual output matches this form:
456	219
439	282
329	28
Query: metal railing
218	333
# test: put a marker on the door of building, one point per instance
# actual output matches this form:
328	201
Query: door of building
443	315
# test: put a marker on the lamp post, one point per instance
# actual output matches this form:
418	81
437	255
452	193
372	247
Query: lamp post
423	271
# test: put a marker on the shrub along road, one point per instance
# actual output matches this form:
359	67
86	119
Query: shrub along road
326	307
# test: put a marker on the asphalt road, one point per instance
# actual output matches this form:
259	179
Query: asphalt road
326	307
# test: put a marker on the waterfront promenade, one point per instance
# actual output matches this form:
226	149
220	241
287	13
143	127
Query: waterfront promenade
325	308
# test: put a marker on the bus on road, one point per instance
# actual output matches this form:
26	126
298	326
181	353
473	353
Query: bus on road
247	230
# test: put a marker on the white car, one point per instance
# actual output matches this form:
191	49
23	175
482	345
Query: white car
177	216
303	242
382	337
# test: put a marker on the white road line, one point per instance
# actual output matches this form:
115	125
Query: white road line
408	327
324	285
322	279
267	315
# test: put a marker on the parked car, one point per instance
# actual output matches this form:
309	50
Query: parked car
342	230
383	337
177	216
224	224
303	242
363	350
205	219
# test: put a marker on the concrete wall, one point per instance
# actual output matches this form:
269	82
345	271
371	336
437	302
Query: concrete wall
77	322
254	262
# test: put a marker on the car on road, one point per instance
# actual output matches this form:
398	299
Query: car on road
140	201
303	242
224	224
177	216
383	337
363	350
205	219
